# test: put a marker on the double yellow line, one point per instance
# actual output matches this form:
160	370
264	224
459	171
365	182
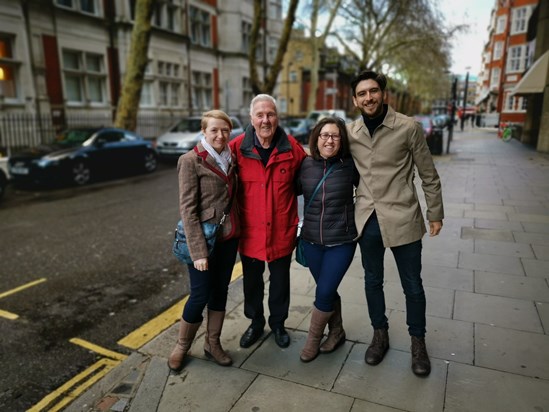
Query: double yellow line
68	392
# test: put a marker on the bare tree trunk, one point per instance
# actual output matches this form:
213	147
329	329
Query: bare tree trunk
316	44
259	16
128	105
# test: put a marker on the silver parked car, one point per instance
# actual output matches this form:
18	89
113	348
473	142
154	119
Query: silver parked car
184	135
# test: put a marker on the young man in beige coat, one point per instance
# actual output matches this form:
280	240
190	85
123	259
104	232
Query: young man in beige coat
386	147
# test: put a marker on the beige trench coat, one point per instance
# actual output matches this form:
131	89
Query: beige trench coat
386	167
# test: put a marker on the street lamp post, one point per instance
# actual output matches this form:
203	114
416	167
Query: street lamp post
452	115
465	99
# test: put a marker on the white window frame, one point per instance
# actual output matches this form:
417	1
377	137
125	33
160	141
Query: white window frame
168	76
81	6
166	15
275	9
498	50
202	90
246	30
495	77
85	75
200	24
9	66
519	19
514	104
500	24
517	57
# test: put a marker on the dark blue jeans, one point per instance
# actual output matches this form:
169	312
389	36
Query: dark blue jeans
210	287
408	260
254	288
328	265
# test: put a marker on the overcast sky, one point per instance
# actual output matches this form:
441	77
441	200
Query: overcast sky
468	47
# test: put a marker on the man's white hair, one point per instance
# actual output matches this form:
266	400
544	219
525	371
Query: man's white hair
262	98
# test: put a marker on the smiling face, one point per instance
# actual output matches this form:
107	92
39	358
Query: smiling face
369	98
217	133
264	120
329	140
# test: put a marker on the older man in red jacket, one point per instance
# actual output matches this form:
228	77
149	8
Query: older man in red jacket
268	161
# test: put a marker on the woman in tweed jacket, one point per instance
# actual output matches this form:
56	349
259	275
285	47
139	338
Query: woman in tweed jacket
207	182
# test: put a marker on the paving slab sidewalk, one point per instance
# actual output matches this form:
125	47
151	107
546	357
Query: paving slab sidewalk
486	279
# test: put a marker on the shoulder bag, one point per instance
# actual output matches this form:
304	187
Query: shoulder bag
181	249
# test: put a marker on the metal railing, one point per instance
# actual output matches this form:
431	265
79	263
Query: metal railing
25	129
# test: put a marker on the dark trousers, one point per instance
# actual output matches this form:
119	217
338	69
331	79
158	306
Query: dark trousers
328	265
408	260
210	287
254	287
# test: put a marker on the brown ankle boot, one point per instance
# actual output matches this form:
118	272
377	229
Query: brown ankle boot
336	333
378	348
421	365
187	332
311	349
212	344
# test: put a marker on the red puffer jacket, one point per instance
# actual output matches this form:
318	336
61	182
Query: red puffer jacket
267	197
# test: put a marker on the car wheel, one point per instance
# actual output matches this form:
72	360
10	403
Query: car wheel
3	183
151	162
80	172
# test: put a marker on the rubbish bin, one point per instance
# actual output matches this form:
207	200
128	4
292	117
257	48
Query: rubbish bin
435	143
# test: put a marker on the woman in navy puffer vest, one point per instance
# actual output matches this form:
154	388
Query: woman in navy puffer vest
329	230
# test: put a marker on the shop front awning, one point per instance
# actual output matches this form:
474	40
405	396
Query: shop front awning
534	80
482	98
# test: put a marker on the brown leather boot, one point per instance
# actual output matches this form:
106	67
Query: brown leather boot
421	365
378	348
212	344
311	349
187	332
336	333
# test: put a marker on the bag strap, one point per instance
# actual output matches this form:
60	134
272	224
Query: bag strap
227	209
317	188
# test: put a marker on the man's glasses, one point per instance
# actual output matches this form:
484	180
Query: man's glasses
325	136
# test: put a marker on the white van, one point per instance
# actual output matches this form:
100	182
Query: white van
315	115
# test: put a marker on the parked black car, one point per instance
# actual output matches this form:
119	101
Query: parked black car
78	156
3	177
298	128
433	134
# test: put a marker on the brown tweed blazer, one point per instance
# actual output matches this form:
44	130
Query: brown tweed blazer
204	193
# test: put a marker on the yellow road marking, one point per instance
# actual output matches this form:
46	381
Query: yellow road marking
98	349
134	340
152	328
20	288
80	383
8	315
237	271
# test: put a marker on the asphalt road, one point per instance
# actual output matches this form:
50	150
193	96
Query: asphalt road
101	259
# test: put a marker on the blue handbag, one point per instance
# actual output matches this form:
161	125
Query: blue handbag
180	247
299	252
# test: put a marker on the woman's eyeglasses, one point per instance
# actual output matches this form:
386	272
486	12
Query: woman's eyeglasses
325	136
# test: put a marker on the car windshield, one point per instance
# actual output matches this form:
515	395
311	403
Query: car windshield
187	125
295	123
74	136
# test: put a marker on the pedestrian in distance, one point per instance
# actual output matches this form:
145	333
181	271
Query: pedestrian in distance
268	162
328	230
387	146
207	187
